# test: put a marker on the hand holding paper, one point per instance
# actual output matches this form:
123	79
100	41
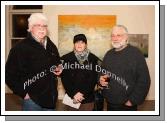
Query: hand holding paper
70	102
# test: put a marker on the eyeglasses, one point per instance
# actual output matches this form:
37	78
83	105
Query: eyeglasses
40	26
118	36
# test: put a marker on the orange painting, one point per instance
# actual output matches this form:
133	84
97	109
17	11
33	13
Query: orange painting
88	21
97	29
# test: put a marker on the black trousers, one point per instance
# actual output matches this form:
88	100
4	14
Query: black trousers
113	107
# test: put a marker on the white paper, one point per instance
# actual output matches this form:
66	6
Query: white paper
68	101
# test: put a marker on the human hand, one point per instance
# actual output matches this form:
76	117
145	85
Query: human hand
27	97
128	103
58	70
104	80
78	97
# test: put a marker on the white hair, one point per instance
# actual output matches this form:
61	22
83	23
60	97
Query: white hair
34	18
122	26
126	32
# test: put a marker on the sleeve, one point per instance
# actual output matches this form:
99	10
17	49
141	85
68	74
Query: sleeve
12	74
92	79
104	62
142	82
67	81
68	86
57	56
52	49
102	65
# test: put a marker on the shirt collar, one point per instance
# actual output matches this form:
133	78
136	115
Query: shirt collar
45	40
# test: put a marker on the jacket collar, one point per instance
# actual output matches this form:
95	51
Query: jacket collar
35	43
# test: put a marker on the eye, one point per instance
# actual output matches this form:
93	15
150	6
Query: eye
38	26
112	35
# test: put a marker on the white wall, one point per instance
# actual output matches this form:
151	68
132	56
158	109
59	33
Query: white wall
138	19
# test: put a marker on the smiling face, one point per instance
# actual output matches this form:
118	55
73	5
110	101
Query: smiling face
80	46
39	30
119	37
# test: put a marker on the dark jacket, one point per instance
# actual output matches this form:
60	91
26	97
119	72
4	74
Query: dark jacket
28	71
130	79
79	79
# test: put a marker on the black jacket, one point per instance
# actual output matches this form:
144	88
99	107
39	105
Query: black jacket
28	71
79	79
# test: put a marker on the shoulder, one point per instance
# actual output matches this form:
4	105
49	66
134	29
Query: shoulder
135	51
19	49
133	48
68	56
93	56
50	42
20	45
108	53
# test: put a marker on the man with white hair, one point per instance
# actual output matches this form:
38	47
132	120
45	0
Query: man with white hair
129	80
28	67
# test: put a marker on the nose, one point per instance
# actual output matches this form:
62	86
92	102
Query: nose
41	28
79	46
79	43
114	38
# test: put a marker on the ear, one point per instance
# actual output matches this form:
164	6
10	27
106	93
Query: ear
127	41
86	46
126	36
29	28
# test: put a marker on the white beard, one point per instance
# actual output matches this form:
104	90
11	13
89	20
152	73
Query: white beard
118	45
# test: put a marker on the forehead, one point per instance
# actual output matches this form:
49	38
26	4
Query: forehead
79	41
118	30
40	21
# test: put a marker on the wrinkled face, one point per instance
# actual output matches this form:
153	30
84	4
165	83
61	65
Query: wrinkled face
39	30
80	46
118	37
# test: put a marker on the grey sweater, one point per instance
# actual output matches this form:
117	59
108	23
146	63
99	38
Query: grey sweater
129	76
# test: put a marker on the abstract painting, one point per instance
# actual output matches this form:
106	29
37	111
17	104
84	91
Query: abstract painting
140	41
97	29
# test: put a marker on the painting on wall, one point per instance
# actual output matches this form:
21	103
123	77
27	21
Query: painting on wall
140	41
97	29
